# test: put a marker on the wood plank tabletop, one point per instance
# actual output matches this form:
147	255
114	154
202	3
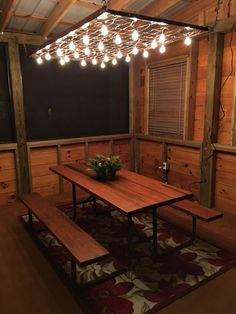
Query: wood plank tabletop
129	192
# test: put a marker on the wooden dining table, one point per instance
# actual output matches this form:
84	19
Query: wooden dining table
130	193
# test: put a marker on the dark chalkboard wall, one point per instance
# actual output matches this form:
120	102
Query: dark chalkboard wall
6	110
71	101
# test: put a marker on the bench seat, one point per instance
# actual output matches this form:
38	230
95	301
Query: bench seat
83	248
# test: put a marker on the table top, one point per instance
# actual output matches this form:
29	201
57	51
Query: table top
130	192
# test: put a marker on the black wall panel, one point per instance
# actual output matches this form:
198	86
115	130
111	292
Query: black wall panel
71	101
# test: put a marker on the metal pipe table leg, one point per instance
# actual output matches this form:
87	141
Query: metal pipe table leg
30	219
154	228
73	271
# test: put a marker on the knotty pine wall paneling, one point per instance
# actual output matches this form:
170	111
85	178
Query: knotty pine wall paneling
43	180
8	177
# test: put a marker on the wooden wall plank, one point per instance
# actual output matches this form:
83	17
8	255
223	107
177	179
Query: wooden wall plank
101	148
122	148
8	179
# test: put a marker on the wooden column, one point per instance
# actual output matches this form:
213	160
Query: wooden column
18	105
213	91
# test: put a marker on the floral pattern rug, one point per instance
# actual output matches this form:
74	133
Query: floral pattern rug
150	283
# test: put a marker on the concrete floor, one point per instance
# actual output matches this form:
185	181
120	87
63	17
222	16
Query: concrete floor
29	284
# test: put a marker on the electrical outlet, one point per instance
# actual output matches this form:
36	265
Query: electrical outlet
165	165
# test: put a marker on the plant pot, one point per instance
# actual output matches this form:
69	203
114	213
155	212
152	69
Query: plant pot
106	174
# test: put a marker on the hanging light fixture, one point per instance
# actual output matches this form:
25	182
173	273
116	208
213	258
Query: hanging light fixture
116	34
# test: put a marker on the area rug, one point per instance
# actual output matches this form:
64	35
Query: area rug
150	284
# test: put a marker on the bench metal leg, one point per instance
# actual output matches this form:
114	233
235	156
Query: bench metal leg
154	230
30	219
73	271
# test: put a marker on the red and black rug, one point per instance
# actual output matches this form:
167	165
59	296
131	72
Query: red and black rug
151	284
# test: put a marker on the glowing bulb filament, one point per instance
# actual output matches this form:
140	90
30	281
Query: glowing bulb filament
188	40
104	30
135	35
100	46
154	43
118	39
127	58
71	46
162	38
86	39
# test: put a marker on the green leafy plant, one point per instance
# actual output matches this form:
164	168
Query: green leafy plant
105	167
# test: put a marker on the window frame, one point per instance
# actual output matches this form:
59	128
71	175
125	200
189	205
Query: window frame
190	91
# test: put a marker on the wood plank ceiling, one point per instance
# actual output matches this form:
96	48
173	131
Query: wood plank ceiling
47	18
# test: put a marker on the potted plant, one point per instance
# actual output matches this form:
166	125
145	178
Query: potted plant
105	167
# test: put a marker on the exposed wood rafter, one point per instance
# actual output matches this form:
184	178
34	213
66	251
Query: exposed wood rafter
89	5
57	14
117	4
158	8
6	14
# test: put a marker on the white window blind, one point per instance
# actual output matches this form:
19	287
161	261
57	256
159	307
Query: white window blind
167	84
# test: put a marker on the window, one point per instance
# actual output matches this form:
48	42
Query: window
167	97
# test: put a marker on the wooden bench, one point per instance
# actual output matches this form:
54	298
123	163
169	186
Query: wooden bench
196	211
83	248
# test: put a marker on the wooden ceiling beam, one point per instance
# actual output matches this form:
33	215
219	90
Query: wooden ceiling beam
88	5
22	38
55	17
6	14
157	8
117	4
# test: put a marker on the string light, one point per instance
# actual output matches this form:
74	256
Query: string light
67	59
135	51
59	52
48	56
83	63
188	40
39	60
106	58
86	39
135	35
162	49
145	54
62	61
76	55
103	65
114	61
94	61
86	25
118	39
154	44
119	54
162	38
127	58
100	46
72	46
104	30
87	51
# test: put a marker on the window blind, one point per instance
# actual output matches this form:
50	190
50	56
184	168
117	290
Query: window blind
167	85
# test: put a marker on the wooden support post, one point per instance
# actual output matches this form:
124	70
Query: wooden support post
18	105
215	57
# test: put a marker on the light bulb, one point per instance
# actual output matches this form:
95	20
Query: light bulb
48	56
154	44
83	63
103	16
39	60
118	39
58	40
114	61
106	58
59	52
127	58
162	49
62	61
39	51
72	46
87	51
104	30
94	61
119	54
188	40
135	51
100	46
72	33
145	54
86	39
76	55
135	35
162	38
84	26
47	47
67	59
103	65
